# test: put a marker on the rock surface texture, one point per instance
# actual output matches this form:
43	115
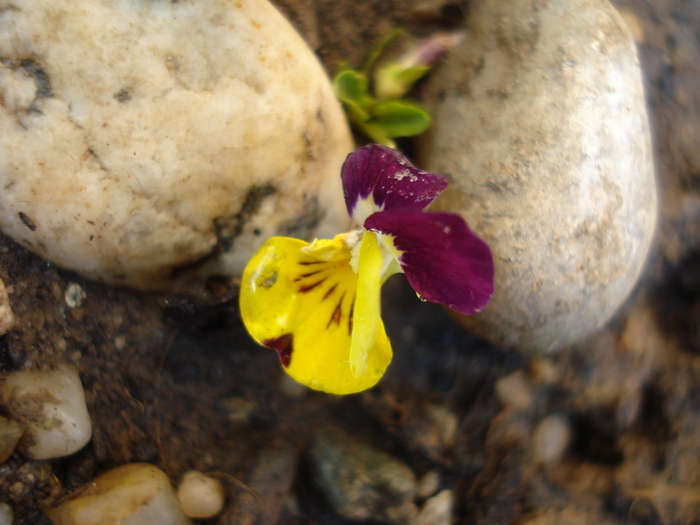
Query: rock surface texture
541	125
140	137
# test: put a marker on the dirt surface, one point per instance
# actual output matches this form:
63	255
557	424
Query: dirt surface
175	380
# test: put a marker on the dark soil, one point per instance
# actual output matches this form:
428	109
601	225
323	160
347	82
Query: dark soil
176	381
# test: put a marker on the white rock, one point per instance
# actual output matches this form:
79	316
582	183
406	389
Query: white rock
144	136
7	318
50	406
551	439
541	124
10	432
134	494
437	510
200	496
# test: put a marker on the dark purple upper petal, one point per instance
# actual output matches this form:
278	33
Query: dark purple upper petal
443	260
387	178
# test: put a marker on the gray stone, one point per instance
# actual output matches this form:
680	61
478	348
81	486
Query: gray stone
541	125
361	482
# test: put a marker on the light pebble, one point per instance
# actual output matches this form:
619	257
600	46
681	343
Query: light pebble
514	390
200	496
133	494
50	406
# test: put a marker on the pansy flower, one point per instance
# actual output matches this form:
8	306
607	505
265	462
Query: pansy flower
318	304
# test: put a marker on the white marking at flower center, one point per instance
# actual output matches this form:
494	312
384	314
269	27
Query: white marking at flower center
401	175
364	208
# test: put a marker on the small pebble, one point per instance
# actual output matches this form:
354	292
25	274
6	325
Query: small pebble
514	390
50	405
551	439
292	388
544	371
428	485
427	8
134	494
200	496
437	510
120	342
6	514
7	318
10	432
237	409
441	428
74	295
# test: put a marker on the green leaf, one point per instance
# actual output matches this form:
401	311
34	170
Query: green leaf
351	88
379	48
400	118
394	80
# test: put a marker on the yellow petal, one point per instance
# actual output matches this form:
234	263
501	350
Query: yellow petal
299	299
367	314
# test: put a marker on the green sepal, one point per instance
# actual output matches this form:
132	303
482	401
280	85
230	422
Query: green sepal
399	118
393	80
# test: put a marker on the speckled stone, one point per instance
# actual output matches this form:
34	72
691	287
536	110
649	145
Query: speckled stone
140	137
361	482
541	125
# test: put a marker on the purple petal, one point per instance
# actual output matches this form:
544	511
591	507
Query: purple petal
386	179
443	260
